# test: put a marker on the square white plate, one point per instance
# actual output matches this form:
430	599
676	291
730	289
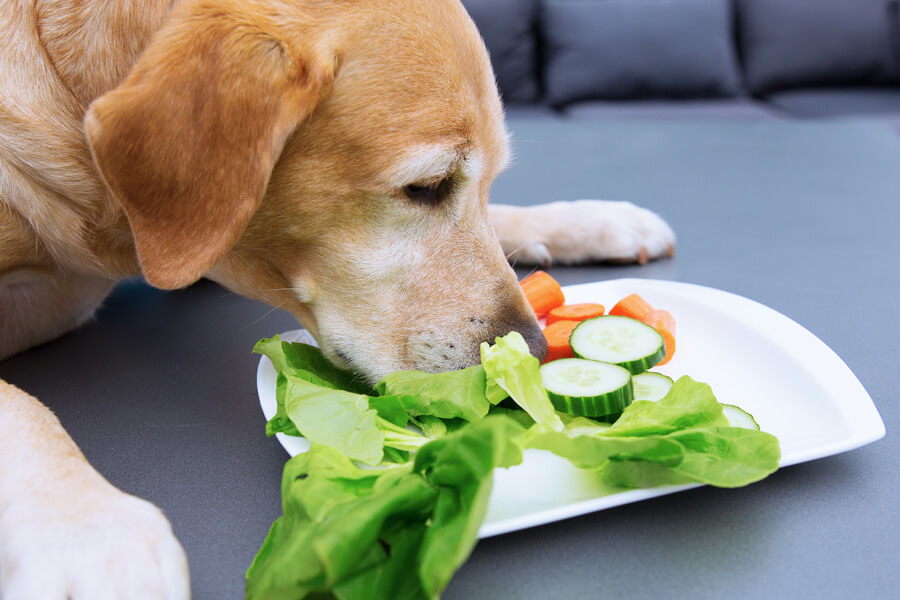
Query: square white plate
795	386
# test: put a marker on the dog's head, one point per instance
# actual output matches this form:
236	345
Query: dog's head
330	158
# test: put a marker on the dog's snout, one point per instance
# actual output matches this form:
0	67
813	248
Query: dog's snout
537	343
513	319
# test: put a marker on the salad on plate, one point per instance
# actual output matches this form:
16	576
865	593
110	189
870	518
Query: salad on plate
389	498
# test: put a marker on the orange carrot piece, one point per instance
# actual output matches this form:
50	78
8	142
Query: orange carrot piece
632	306
663	322
542	292
558	335
575	312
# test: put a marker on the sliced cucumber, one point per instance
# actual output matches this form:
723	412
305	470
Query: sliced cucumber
618	340
587	388
738	417
651	386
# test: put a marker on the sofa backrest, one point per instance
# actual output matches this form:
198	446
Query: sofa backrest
563	51
627	49
510	32
801	43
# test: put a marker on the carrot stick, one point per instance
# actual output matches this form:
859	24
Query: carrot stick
575	312
557	336
632	306
542	292
663	322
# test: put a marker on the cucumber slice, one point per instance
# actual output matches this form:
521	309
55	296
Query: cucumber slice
651	386
738	417
618	340
587	388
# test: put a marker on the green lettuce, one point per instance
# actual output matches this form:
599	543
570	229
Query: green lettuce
721	456
683	438
329	406
461	465
400	531
454	394
342	420
510	365
688	404
393	533
307	362
302	361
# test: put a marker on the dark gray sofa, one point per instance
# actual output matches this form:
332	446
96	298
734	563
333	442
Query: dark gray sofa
728	59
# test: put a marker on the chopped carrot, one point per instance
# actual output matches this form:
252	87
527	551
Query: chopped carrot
632	306
663	322
542	292
558	335
575	312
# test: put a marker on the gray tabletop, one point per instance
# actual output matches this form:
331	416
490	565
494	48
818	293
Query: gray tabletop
160	391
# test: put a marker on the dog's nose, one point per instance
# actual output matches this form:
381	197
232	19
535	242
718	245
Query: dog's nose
526	325
537	343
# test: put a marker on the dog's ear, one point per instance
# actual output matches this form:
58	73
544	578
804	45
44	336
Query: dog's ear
188	141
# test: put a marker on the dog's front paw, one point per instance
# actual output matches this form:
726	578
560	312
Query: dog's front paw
98	545
582	231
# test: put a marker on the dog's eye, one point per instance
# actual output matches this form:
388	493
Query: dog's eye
430	193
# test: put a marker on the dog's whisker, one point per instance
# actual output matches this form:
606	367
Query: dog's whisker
510	255
514	251
228	293
269	312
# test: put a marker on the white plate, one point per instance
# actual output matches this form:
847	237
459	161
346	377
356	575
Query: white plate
795	386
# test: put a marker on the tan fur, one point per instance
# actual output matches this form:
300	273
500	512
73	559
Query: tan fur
265	144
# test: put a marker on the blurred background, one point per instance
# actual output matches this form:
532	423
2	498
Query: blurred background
669	59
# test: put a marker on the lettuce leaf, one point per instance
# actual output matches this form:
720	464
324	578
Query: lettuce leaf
433	427
688	404
327	405
720	456
308	362
394	533
330	406
510	365
334	517
401	438
280	421
461	466
342	420
450	395
592	451
683	438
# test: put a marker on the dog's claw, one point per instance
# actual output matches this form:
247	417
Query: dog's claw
642	256
541	254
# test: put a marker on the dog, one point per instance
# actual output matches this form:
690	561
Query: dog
330	158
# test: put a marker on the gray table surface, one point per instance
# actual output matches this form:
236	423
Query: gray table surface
160	391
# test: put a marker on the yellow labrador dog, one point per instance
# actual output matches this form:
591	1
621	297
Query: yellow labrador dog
332	158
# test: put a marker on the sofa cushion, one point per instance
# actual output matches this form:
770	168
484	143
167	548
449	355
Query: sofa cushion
838	102
619	49
509	29
720	108
799	43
